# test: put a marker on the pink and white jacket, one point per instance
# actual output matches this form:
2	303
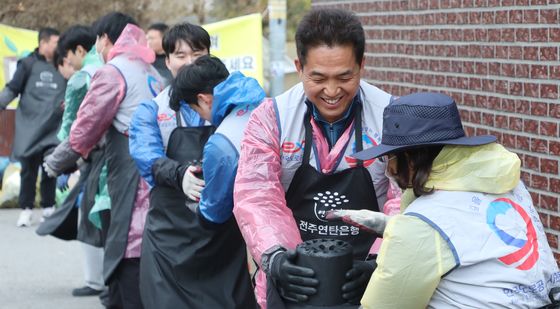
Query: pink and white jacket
271	152
102	107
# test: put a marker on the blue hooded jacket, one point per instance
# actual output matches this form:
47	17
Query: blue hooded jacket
146	142
220	156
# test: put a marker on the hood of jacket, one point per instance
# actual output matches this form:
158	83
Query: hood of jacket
487	168
237	90
132	42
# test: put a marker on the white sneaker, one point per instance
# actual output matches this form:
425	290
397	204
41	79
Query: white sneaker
25	218
47	212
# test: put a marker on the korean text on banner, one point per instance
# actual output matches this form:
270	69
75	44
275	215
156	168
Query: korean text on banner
238	43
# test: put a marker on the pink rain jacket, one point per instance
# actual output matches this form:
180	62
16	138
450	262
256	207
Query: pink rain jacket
95	116
273	224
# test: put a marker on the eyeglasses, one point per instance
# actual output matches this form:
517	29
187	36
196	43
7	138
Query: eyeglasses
387	158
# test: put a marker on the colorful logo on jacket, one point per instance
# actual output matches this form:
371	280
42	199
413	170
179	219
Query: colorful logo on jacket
165	117
367	142
327	201
527	252
154	85
292	147
242	111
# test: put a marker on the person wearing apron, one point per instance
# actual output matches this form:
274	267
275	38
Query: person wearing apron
76	42
193	253
158	159
38	117
295	162
154	120
106	111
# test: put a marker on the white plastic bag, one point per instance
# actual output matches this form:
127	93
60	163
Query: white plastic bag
10	186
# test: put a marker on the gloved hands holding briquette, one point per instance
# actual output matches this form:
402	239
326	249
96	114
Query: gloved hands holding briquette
357	279
367	220
359	275
294	283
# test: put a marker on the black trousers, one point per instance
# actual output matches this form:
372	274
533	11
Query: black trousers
29	172
124	288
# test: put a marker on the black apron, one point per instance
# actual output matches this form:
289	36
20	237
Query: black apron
311	194
39	113
87	232
187	263
122	182
65	223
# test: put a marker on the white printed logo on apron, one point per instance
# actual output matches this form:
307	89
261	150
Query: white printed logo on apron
327	201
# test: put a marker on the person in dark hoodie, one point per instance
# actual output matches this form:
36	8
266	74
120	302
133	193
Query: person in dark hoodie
38	118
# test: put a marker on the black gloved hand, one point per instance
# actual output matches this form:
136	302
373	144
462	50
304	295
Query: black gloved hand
357	279
294	283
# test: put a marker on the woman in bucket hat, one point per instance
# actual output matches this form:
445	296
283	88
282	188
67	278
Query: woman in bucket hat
468	234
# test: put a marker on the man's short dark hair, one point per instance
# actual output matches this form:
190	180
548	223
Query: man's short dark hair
113	24
195	36
76	36
161	27
199	77
46	33
330	27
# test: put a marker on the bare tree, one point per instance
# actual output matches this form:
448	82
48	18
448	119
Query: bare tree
61	14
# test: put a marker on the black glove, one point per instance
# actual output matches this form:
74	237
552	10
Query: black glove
357	279
294	283
554	296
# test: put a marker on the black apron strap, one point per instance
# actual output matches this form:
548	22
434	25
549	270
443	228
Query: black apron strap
308	136
178	118
358	131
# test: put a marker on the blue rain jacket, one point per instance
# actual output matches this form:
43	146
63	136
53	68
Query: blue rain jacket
220	156
149	132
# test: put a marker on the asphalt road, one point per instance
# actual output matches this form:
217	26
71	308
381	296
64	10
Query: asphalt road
38	272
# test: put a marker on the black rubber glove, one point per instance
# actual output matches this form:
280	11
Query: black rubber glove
294	283
554	296
357	279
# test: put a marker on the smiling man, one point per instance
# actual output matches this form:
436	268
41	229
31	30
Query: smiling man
295	165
